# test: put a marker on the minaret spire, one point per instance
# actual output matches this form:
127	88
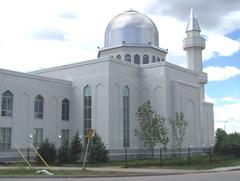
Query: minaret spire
194	43
192	22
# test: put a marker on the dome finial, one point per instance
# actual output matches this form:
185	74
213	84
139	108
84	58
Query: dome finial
192	22
192	15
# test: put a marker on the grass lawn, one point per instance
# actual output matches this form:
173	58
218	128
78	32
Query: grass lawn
26	171
200	162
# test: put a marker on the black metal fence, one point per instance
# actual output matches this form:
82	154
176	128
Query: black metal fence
13	155
157	153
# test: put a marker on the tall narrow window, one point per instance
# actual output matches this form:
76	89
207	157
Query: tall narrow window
65	136
153	59
38	107
145	59
87	110
65	109
37	136
7	104
118	56
137	59
158	59
128	58
125	116
5	138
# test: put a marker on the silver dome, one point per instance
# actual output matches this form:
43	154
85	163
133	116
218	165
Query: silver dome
131	27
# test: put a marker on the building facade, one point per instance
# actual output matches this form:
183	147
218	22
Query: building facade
104	93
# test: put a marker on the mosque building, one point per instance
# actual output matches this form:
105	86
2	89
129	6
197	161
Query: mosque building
104	93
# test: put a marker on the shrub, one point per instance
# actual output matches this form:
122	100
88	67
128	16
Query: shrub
228	144
97	150
63	153
47	151
75	148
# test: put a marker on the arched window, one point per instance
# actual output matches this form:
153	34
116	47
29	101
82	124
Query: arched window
128	57
118	57
137	59
38	107
153	59
87	110
126	117
145	59
7	104
65	109
158	59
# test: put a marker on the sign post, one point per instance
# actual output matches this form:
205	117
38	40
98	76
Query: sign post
90	135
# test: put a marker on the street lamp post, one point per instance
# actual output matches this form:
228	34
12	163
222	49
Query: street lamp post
203	149
28	150
210	153
135	148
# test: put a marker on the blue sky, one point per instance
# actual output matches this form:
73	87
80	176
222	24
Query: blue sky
37	34
226	93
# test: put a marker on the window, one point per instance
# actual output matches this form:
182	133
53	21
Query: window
7	104
158	59
5	138
37	137
65	109
145	59
128	58
38	107
137	59
87	110
153	59
118	56
65	136
125	116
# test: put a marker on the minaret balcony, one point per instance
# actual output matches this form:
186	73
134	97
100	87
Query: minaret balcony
194	42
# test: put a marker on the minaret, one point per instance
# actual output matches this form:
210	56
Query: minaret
194	44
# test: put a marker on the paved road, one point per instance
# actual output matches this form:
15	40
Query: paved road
217	176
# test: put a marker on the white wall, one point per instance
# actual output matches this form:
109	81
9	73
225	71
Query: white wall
24	88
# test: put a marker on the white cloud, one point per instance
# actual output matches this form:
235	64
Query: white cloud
210	99
83	29
227	111
218	44
227	116
221	73
230	99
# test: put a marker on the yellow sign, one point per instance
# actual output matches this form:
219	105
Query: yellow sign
90	134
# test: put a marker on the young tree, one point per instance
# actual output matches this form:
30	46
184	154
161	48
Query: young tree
152	128
179	125
75	148
97	150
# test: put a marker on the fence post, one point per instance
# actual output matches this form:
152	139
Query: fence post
189	155
28	157
210	154
160	156
126	159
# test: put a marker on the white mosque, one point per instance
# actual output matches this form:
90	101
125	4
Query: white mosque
104	93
